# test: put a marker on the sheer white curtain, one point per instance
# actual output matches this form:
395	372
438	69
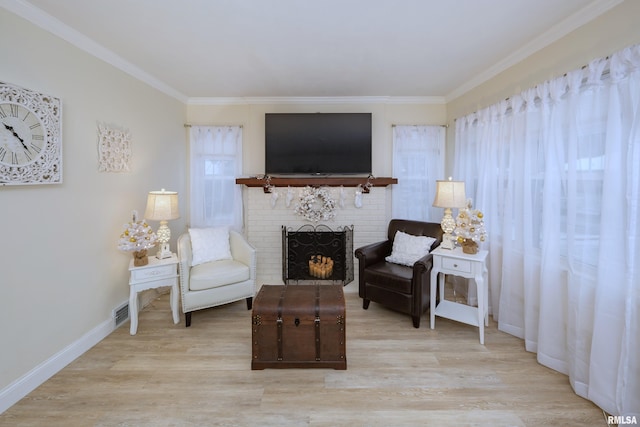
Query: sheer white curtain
556	169
418	161
215	163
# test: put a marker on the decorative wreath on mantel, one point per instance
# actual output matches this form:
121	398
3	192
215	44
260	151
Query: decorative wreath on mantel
316	204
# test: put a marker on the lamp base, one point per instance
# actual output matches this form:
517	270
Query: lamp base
448	241
164	251
164	234
448	224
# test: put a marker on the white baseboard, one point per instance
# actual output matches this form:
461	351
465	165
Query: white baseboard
41	373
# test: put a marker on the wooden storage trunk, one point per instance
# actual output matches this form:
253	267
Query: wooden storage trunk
299	326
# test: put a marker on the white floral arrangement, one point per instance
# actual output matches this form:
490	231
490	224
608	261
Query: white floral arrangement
316	204
136	236
470	225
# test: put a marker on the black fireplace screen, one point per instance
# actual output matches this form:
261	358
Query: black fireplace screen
317	253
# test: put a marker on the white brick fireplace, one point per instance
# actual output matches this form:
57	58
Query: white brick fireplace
264	223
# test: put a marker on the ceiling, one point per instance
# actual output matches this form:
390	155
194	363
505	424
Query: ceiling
199	49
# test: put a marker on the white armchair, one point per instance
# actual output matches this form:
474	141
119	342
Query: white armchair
213	283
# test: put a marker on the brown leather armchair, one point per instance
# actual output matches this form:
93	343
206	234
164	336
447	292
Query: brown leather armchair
401	288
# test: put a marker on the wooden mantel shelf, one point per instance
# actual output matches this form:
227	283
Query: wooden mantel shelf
317	181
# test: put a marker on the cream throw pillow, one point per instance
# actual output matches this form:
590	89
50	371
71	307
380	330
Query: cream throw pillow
209	244
407	249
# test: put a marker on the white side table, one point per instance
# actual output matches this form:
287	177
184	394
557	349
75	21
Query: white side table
158	273
471	266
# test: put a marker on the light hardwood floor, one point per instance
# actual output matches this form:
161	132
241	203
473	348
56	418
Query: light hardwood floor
169	375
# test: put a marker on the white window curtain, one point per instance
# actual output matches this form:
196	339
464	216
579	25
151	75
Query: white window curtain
418	161
556	170
215	163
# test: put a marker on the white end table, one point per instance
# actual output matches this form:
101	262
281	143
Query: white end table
158	273
471	266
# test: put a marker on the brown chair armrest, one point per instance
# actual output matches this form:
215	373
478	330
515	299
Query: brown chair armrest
373	253
424	264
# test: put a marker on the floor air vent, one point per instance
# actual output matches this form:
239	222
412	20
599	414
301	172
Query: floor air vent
121	314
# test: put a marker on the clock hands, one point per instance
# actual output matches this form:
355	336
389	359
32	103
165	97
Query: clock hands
10	129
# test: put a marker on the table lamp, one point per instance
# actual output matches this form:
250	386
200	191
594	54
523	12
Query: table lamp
162	206
449	194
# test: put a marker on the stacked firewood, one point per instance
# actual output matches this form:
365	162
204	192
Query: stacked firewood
320	266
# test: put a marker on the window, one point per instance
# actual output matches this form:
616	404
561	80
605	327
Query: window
216	162
418	161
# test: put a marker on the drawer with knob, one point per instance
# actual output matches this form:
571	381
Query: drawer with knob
459	265
156	272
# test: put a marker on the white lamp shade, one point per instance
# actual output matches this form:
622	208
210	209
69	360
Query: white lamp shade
162	206
450	194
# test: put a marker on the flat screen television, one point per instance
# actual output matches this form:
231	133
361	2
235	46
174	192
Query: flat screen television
318	143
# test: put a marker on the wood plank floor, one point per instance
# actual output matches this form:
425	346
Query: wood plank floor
169	375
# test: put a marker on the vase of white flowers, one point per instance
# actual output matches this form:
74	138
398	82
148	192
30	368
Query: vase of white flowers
137	237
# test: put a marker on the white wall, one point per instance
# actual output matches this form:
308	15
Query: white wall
61	274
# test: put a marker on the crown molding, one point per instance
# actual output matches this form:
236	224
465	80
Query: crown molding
437	100
47	22
556	32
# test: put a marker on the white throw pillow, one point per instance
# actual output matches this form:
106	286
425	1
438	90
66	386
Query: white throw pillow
407	249
209	244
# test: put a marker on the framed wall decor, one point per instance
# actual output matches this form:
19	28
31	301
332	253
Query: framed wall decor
114	149
30	137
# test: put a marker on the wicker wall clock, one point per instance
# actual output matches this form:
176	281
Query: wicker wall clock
30	137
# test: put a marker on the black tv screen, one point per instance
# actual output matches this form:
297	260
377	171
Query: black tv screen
318	143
